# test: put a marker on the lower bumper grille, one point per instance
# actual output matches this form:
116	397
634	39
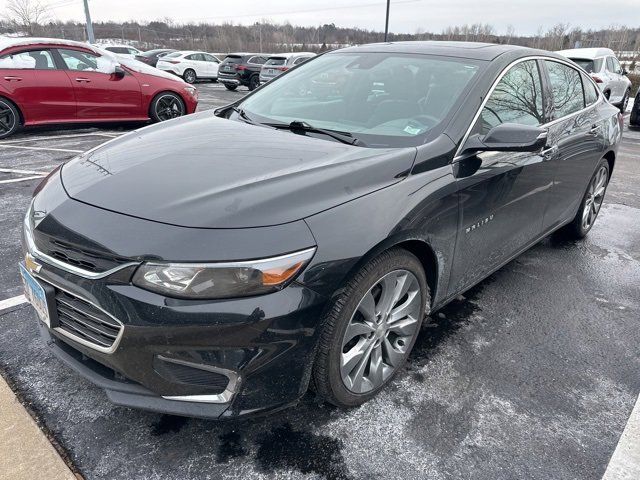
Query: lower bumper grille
85	321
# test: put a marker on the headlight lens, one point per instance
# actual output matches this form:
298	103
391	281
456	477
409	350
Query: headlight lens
193	91
221	280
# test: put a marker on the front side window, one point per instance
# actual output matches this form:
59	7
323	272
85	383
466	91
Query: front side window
30	60
616	65
566	87
381	99
610	66
517	98
195	56
590	66
87	62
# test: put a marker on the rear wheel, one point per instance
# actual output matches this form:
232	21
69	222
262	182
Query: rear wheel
254	82
166	106
230	87
9	118
370	329
591	202
189	76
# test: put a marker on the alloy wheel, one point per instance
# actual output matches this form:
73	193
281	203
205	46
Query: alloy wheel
7	119
595	196
380	331
190	76
168	107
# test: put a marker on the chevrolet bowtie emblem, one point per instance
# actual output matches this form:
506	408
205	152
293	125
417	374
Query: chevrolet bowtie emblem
31	263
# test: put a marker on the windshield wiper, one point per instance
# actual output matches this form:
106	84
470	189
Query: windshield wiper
302	126
241	113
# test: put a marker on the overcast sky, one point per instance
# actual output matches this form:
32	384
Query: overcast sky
407	16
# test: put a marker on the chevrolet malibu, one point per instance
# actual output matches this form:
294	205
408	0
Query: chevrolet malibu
356	194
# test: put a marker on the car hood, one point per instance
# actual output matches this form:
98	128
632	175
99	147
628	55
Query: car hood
206	172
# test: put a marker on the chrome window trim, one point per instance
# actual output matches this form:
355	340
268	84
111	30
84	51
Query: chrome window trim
33	250
224	397
502	74
77	339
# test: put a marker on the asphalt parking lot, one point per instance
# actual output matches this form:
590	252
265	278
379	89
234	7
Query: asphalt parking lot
531	374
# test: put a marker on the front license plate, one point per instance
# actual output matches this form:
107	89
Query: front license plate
36	295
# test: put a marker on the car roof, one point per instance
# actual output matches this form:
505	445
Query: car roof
291	54
472	50
9	42
587	53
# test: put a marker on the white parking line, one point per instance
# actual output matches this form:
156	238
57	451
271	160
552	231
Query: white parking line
625	461
21	172
41	148
12	302
56	137
22	179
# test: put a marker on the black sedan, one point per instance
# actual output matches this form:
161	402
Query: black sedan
342	203
150	57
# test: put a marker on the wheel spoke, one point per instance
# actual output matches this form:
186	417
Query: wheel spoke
392	357
376	372
367	307
351	358
408	307
405	327
356	329
385	302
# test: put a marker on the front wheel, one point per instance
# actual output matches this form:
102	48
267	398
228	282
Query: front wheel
166	106
189	76
591	202
230	87
370	329
9	118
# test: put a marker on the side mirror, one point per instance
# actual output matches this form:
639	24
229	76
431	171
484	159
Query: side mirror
118	71
508	137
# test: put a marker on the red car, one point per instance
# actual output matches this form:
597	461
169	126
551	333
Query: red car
50	81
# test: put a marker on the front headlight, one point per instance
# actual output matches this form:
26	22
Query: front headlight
193	91
221	280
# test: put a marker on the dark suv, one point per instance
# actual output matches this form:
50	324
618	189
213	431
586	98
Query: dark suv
241	69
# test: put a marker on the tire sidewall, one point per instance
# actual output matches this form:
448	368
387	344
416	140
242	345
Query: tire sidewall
375	270
254	82
16	116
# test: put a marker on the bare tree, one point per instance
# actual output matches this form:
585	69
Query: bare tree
27	15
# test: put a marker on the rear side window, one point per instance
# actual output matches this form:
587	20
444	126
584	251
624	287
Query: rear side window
591	92
299	60
31	60
210	58
517	98
566	87
257	60
196	56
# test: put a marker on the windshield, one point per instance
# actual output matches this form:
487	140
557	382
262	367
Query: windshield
275	61
382	99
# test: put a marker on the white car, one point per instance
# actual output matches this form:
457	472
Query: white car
605	69
191	66
126	51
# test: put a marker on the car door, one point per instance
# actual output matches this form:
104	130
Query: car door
502	195
40	88
212	65
196	61
615	81
101	94
578	132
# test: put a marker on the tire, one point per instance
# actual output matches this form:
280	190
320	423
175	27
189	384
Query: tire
254	82
190	76
230	87
634	118
625	102
166	106
9	118
583	221
607	94
345	323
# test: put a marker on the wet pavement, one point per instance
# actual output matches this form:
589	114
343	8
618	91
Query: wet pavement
531	374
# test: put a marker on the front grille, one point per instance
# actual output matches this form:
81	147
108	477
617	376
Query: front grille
196	375
85	321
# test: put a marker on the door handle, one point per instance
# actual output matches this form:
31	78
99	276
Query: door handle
81	80
13	79
594	130
549	153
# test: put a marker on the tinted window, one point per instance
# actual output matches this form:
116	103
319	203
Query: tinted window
257	60
300	60
566	87
517	98
173	55
276	61
384	99
590	91
195	56
589	66
34	59
210	58
233	59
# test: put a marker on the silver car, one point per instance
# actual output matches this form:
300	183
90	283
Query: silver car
605	69
276	64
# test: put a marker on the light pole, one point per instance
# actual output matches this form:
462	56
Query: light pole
92	38
386	23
